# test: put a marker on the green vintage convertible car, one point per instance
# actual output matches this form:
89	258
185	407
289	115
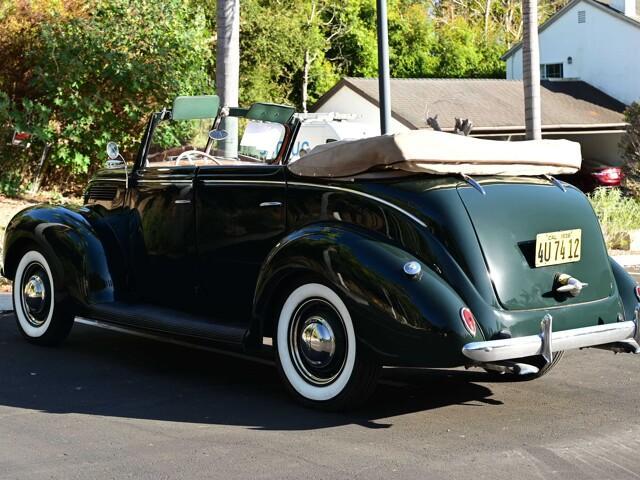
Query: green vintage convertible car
421	249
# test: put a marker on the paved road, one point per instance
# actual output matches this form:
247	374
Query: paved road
108	405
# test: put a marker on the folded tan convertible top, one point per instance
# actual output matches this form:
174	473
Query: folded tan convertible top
439	153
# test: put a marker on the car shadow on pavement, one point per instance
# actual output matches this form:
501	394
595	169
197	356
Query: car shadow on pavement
98	372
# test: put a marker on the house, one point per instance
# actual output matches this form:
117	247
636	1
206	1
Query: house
572	109
594	41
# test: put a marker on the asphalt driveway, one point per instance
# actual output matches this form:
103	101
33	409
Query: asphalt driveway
109	405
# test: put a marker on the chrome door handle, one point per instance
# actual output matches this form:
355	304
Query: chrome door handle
181	202
271	204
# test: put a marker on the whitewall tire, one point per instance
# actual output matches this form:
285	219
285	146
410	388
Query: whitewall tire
317	351
41	317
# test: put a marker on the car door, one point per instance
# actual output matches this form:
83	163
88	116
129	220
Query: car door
240	217
163	230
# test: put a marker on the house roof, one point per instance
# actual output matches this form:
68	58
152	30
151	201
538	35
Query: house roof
604	5
492	105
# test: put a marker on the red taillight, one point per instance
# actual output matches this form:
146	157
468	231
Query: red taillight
637	289
468	320
22	136
609	176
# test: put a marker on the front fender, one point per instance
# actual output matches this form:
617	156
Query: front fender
405	320
72	245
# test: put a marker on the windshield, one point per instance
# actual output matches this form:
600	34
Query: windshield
184	142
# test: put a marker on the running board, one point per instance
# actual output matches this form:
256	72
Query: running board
167	321
265	359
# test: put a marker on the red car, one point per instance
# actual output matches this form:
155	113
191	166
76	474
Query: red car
596	174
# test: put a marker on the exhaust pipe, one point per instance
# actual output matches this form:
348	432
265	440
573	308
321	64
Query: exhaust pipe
624	346
507	366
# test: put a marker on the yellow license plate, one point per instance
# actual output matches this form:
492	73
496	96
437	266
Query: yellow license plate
554	248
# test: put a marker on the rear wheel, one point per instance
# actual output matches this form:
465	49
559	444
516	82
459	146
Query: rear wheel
42	317
316	351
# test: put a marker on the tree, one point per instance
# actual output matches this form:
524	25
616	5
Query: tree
531	70
96	75
630	147
228	68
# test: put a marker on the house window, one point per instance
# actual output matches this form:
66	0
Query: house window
582	16
551	70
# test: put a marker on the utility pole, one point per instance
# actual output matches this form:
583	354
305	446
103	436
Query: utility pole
384	90
228	68
531	70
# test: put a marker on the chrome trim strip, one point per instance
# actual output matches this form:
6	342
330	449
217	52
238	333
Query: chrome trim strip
510	348
167	181
248	182
555	181
98	179
546	327
173	341
473	182
271	204
362	194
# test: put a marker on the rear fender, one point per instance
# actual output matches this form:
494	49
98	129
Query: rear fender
405	320
71	244
626	289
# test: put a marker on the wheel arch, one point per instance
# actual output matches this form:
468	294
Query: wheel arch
71	245
403	320
626	289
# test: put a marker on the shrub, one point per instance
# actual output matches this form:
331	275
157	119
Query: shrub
630	147
617	214
94	75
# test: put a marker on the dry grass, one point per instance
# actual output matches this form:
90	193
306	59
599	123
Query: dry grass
618	214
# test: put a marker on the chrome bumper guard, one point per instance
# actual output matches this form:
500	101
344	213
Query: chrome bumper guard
547	342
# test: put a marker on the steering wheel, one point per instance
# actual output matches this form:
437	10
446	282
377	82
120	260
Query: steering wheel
188	154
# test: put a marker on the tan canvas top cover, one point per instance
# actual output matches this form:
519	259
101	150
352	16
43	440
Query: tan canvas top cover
439	153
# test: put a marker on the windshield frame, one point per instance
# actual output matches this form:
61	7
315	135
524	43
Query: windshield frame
291	128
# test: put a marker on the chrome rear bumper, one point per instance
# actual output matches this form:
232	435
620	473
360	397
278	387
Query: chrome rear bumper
547	342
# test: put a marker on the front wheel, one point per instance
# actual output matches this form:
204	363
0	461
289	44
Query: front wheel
42	317
317	354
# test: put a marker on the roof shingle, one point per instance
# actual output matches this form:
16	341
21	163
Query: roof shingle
489	103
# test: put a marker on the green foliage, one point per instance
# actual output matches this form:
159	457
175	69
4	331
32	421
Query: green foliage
96	77
630	147
78	73
617	214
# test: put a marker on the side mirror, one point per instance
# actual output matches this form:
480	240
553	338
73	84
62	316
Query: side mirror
218	134
116	160
113	151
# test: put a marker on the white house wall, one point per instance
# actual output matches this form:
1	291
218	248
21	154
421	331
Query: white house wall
346	100
598	147
605	51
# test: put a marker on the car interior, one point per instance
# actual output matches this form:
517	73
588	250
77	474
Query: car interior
192	135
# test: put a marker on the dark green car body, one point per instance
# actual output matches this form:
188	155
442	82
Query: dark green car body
189	252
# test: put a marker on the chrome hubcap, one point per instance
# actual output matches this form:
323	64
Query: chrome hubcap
35	295
317	341
318	344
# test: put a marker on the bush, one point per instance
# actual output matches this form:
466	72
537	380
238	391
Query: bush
630	147
617	214
95	74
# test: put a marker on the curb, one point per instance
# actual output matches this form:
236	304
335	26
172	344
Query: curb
6	305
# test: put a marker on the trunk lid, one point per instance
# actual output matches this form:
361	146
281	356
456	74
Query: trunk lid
506	221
